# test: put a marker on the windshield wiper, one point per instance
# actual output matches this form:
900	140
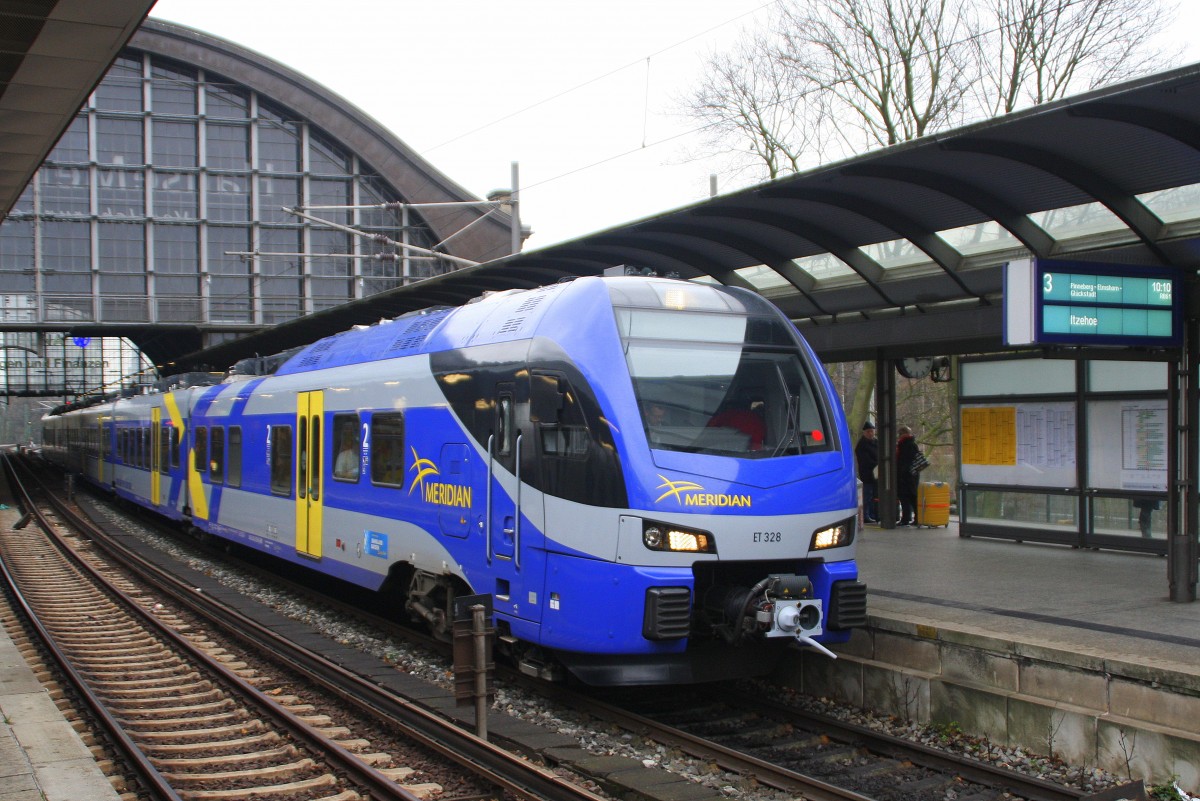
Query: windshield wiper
793	415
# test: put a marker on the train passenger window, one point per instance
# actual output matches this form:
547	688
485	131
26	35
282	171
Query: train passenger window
281	460
107	443
216	455
315	487
200	449
233	476
347	447
145	447
302	458
174	446
164	447
387	449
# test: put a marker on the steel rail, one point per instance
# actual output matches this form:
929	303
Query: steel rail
723	756
152	780
363	774
496	765
1028	787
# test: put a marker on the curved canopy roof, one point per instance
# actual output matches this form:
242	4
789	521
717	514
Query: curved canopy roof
896	252
52	54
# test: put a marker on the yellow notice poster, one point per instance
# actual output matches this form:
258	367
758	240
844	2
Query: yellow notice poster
989	435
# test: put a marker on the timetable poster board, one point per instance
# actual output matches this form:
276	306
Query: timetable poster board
1127	445
1020	444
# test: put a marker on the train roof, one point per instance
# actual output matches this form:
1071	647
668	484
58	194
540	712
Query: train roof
498	316
494	317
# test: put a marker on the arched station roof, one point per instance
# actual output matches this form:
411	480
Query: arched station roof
896	252
410	174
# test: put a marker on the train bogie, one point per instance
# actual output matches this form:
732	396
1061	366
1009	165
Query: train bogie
651	479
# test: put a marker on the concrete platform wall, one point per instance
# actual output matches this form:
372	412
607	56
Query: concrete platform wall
1134	720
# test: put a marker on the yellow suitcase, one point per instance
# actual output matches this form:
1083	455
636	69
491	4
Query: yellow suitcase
933	503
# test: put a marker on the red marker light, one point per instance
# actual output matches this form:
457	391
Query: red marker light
817	436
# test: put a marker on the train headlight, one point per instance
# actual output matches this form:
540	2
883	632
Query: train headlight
834	536
653	537
662	537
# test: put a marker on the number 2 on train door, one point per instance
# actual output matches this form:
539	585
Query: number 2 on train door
310	407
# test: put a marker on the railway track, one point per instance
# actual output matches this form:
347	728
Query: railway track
200	717
781	749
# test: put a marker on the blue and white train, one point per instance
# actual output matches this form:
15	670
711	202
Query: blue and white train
651	478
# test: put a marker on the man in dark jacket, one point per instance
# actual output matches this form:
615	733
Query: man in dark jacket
866	456
906	479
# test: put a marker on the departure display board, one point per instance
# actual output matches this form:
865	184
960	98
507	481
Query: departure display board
1082	303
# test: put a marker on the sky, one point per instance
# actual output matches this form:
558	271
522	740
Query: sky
584	95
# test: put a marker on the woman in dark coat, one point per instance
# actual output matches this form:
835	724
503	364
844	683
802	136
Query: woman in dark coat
906	480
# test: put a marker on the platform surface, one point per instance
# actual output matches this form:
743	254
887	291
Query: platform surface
1115	603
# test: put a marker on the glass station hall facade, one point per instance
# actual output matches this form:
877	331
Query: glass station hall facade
163	201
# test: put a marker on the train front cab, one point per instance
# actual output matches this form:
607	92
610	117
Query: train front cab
738	539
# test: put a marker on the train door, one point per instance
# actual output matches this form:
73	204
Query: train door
310	407
516	589
503	520
105	452
155	456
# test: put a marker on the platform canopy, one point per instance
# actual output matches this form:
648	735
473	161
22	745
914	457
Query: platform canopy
52	54
896	252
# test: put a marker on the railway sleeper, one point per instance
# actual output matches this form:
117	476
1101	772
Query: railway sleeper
134	689
763	736
218	733
355	746
89	643
146	726
807	742
881	766
108	666
930	786
287	751
375	760
831	757
201	710
289	790
260	774
174	669
216	747
158	700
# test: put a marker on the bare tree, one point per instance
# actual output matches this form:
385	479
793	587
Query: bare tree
892	69
879	72
755	105
1041	50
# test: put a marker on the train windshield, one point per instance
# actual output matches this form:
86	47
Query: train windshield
722	383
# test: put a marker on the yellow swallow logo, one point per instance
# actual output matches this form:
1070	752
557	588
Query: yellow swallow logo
437	492
676	487
689	493
423	468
